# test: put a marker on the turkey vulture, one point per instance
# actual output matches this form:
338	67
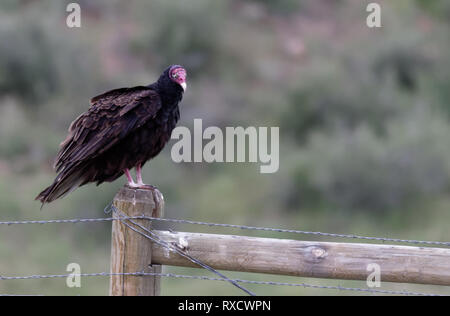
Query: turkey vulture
122	129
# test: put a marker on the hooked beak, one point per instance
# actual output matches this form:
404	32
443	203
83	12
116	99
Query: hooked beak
183	85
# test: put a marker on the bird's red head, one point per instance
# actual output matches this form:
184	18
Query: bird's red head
178	75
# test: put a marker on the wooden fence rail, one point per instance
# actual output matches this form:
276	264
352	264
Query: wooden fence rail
348	261
132	252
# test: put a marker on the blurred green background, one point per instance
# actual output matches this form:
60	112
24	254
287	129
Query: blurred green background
363	116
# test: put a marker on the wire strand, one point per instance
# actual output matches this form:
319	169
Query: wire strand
155	238
152	236
242	227
207	278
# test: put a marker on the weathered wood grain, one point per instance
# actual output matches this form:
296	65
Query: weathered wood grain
130	251
308	259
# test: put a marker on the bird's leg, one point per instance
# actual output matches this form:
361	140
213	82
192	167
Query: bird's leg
139	175
131	182
141	183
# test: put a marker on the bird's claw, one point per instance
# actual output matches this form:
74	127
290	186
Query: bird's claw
140	186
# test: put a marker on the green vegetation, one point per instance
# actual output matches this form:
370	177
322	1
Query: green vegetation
363	116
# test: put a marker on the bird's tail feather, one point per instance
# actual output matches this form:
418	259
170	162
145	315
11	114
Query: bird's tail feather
63	184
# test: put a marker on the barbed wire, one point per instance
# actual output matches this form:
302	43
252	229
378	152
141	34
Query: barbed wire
281	230
207	278
155	238
234	226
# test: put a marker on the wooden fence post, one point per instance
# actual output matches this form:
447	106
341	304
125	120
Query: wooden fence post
130	251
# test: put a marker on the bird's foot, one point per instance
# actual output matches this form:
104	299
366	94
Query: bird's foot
142	186
148	187
133	185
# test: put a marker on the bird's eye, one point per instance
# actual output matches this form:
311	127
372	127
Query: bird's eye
175	75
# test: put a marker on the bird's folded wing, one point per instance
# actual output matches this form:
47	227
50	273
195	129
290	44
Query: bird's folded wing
111	117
